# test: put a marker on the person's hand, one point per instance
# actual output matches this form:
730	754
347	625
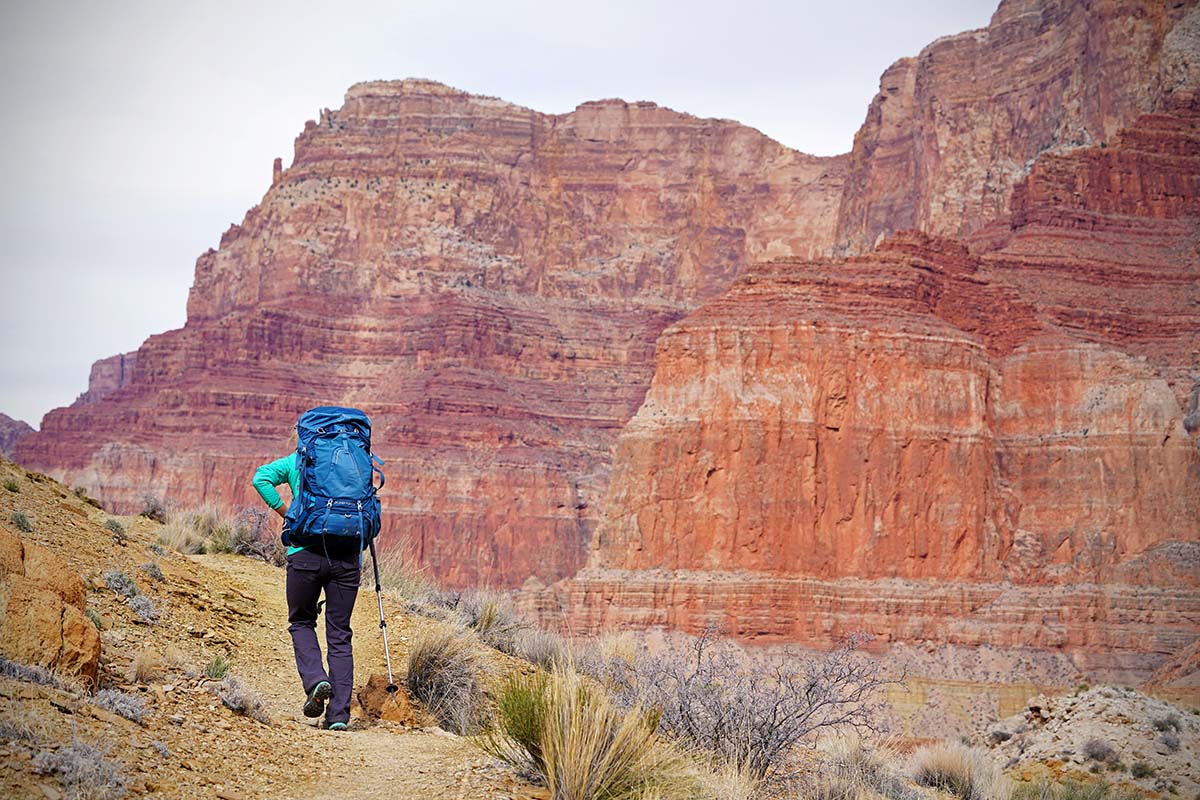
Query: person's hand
280	512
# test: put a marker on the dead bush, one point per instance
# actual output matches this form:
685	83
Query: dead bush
83	770
241	699
129	706
749	712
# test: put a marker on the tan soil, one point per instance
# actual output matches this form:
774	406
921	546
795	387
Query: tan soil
234	606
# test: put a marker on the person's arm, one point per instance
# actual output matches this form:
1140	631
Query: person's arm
267	477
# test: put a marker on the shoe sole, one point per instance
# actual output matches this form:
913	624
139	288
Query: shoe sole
338	726
314	706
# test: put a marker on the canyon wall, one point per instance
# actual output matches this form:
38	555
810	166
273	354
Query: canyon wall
978	443
490	283
955	128
485	281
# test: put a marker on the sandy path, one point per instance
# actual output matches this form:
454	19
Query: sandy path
370	761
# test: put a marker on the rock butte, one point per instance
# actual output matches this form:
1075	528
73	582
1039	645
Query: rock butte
974	433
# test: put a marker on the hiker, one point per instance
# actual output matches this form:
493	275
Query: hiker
333	516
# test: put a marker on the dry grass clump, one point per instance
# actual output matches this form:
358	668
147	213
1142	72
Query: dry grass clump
851	769
83	770
21	723
447	673
144	608
563	728
401	573
241	699
129	706
209	529
492	617
147	666
1073	790
963	771
21	521
541	647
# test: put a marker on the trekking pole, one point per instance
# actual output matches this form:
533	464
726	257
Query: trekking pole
392	688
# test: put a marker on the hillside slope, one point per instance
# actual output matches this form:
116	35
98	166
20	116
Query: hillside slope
188	744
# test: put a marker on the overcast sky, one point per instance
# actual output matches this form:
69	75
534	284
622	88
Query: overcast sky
134	133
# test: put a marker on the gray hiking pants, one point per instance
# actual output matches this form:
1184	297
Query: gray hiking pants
307	574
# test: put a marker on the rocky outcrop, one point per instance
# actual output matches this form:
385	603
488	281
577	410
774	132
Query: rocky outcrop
954	129
11	432
970	445
42	606
484	280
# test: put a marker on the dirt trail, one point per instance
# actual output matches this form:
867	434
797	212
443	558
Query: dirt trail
368	762
187	744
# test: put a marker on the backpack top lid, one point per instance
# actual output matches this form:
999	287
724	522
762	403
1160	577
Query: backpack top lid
327	419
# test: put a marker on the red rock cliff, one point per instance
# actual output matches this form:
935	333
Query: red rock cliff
979	446
486	281
953	129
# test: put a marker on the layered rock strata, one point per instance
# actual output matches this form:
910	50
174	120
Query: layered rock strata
955	128
977	445
487	282
11	432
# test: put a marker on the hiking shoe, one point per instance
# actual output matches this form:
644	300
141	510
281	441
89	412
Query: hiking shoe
337	726
314	706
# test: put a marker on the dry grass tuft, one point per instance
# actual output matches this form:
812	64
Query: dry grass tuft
84	771
564	728
447	672
966	772
148	666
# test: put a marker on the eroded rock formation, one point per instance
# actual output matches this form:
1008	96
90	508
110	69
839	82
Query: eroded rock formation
973	445
486	281
11	432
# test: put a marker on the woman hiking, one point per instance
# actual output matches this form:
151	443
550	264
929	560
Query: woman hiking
332	518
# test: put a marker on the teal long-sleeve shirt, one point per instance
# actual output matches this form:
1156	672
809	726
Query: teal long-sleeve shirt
276	473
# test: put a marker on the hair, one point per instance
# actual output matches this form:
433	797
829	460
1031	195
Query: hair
293	440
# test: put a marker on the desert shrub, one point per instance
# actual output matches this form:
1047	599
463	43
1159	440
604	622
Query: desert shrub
1170	722
157	549
83	770
217	668
565	729
241	699
749	712
95	618
1142	769
12	485
20	724
962	771
541	647
21	521
154	508
144	608
491	616
114	526
147	665
999	735
121	583
161	748
1072	790
154	571
252	533
446	672
129	706
1170	740
1099	750
32	673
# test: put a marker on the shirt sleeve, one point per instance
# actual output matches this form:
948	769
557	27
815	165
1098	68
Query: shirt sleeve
268	476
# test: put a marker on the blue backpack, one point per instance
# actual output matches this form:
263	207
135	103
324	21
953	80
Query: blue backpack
336	495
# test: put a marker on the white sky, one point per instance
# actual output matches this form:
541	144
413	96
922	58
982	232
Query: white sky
134	133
